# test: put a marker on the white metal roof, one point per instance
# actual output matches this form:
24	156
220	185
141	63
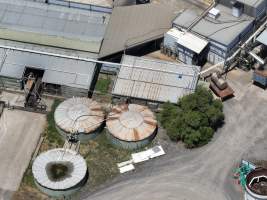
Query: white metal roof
78	172
155	80
188	40
61	71
79	114
262	38
214	11
131	122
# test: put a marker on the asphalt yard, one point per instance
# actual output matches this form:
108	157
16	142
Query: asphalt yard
205	173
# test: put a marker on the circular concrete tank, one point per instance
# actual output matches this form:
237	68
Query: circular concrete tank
256	185
81	115
59	172
131	126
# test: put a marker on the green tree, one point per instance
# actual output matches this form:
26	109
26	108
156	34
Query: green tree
194	119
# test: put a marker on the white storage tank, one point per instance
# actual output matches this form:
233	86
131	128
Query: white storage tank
79	114
256	185
131	126
59	172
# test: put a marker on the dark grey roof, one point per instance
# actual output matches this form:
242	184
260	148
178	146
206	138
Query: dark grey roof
155	80
252	3
52	25
133	25
61	71
225	29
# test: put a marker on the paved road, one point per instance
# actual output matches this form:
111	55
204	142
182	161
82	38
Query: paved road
204	173
19	134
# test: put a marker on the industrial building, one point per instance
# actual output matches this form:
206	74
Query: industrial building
223	27
94	5
187	47
49	25
131	28
150	80
260	72
131	126
59	76
48	41
59	172
81	116
253	8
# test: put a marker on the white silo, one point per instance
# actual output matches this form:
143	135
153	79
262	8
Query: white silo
131	126
256	185
59	172
81	115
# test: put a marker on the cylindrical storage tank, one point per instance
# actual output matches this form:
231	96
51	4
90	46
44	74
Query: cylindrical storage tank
256	185
131	126
81	115
59	172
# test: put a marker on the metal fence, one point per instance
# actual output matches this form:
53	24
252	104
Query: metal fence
84	6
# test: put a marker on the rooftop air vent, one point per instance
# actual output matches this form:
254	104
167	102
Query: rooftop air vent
214	13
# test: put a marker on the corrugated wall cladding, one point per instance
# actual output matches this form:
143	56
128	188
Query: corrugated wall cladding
130	145
131	126
9	83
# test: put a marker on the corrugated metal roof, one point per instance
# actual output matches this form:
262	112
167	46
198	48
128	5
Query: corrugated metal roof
225	29
105	3
79	114
262	38
155	80
62	156
133	25
188	40
52	25
131	122
49	49
62	71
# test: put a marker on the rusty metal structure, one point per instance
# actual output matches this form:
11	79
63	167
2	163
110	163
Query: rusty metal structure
79	115
131	126
256	185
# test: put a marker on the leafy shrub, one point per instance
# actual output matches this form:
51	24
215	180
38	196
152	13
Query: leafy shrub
194	119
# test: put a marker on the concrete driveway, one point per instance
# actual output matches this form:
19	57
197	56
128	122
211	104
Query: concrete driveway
19	135
204	173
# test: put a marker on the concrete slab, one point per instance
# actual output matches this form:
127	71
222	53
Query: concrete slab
19	135
18	99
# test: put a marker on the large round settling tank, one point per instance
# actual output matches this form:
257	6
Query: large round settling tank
81	115
256	185
131	126
59	172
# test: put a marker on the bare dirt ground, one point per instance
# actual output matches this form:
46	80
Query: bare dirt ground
204	173
19	135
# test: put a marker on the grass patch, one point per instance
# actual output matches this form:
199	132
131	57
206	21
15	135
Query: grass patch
28	179
102	85
102	158
53	138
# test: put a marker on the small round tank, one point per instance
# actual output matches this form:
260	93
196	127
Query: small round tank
131	126
81	115
256	185
59	172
